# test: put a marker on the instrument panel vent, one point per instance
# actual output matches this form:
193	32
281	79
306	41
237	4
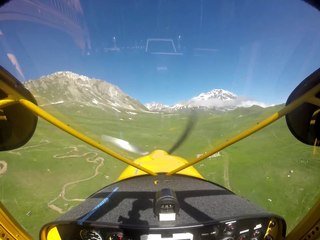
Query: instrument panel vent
4	235
314	233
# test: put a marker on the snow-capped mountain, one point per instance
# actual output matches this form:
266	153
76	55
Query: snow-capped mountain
156	106
217	99
215	94
69	88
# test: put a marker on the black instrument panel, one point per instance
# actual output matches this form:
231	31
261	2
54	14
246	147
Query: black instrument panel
243	229
166	208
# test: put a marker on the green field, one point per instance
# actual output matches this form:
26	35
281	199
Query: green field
54	172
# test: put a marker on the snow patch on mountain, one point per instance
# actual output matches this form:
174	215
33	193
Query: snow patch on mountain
156	106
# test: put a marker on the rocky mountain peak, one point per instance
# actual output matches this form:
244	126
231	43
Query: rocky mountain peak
68	87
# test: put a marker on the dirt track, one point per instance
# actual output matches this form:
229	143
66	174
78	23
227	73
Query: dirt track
3	167
226	171
226	174
90	157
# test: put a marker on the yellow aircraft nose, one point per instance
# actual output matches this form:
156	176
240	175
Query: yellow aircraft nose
159	161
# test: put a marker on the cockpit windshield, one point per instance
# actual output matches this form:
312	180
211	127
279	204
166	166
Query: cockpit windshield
139	76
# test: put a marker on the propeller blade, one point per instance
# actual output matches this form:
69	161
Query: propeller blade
191	123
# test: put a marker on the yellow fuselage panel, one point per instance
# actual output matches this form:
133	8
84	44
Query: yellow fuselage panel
159	161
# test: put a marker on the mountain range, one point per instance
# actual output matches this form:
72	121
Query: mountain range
70	88
217	99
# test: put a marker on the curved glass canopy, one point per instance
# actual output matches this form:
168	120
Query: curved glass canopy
139	76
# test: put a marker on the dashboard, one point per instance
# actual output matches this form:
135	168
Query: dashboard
244	229
166	208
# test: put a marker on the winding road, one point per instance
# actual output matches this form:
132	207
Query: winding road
90	157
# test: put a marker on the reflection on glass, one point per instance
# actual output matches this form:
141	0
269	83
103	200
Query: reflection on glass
134	71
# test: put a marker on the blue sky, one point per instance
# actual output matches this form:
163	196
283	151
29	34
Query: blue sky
257	49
